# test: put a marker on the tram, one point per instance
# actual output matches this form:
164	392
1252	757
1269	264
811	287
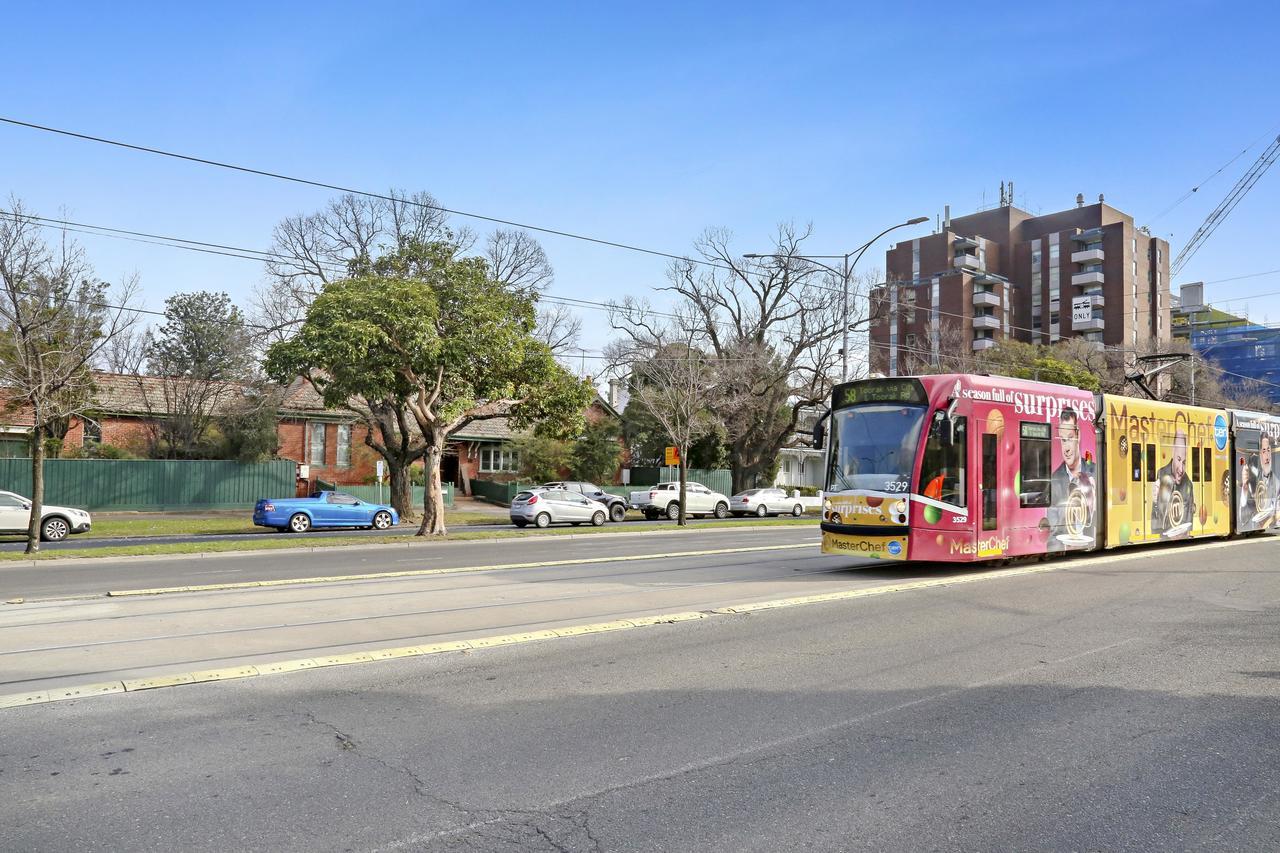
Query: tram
969	468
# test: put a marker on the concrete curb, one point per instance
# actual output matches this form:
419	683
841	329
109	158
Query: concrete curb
40	697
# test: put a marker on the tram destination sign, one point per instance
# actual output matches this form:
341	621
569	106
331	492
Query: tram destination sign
880	391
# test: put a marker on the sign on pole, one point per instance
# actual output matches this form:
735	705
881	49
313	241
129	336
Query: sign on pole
379	481
673	456
1081	310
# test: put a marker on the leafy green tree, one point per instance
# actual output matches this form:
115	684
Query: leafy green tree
542	457
249	431
597	452
436	342
199	359
646	440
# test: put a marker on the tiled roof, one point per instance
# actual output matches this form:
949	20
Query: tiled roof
139	395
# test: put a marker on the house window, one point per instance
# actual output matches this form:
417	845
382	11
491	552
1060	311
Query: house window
92	432
344	445
317	444
497	460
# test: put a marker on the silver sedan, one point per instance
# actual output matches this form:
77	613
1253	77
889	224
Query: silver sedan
544	507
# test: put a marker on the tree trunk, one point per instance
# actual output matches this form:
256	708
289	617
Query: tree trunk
401	498
433	494
37	486
684	476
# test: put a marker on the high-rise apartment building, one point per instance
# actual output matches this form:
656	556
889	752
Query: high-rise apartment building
1005	273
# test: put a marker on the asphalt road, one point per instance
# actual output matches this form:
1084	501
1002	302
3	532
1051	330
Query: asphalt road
1124	706
76	577
12	543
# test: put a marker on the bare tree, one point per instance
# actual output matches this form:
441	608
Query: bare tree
773	327
310	250
56	320
559	328
675	383
517	260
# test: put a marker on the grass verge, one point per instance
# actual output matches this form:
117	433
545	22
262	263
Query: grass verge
272	543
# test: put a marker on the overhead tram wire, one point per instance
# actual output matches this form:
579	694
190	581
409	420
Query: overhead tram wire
1215	174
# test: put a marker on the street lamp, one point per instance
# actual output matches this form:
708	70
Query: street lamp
844	272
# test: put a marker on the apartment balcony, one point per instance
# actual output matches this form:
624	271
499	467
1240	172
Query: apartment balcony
964	243
986	321
985	299
1093	324
1095	297
980	344
1088	256
1093	235
1082	278
984	277
967	262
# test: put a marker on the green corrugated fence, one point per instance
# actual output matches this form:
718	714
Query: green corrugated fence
498	493
150	484
716	479
370	493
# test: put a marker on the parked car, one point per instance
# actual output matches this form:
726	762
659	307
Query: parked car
762	502
615	505
542	507
56	522
664	499
322	509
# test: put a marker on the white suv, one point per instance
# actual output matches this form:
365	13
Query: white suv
56	521
664	499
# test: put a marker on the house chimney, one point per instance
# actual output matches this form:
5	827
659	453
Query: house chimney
1079	199
615	393
946	217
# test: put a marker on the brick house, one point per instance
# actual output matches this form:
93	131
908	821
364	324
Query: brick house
327	444
482	450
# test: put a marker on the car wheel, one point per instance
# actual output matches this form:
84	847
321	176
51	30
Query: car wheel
722	510
797	510
762	511
299	522
381	520
54	529
673	510
617	512
597	520
520	522
543	520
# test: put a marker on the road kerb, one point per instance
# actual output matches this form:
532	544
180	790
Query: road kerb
132	685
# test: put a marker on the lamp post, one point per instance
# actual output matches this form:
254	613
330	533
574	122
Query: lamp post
844	272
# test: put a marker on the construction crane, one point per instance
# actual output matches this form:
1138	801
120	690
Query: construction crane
1228	204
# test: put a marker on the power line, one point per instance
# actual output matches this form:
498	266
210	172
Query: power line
351	190
1215	174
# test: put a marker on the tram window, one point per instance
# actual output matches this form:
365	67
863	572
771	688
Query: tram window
943	474
1151	463
1136	457
1208	465
1195	465
1035	454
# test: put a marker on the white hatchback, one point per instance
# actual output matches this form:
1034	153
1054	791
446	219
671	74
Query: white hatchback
57	522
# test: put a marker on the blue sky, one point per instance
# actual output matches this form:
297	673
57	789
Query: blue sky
642	125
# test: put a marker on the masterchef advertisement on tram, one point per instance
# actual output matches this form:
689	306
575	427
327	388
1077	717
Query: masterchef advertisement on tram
1257	484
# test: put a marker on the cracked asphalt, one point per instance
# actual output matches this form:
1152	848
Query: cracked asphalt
1126	707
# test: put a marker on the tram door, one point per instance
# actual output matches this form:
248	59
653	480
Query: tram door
988	484
1143	458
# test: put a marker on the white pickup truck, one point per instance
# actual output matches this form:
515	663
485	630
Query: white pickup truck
664	499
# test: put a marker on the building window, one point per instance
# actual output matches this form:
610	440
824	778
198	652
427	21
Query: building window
344	445
316	456
92	432
497	460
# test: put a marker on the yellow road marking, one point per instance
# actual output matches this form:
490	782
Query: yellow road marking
130	685
419	573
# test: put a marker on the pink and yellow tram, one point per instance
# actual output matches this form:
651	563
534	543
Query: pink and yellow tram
966	468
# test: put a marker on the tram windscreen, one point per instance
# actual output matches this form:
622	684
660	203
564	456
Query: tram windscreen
873	447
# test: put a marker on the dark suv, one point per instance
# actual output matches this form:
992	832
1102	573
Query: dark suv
616	505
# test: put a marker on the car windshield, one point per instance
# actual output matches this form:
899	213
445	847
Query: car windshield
873	447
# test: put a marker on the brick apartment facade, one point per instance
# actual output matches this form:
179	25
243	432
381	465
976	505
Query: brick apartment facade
1004	273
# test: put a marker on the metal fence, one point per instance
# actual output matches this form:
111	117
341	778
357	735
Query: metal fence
716	479
498	493
370	493
150	484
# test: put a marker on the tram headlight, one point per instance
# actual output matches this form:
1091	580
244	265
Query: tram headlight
826	510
